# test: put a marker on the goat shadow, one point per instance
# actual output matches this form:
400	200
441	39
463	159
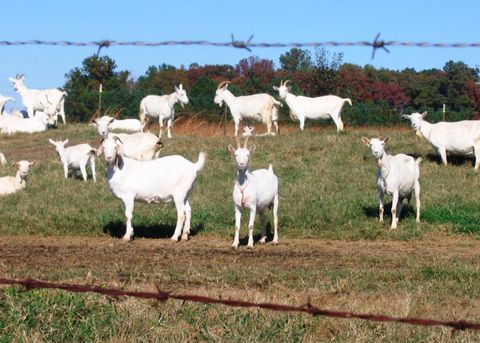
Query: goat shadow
407	210
258	236
117	229
456	160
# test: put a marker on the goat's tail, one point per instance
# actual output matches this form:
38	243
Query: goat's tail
3	161
348	100
418	161
201	161
270	168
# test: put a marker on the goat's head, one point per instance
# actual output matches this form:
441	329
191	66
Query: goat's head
46	119
102	125
59	145
376	145
112	150
219	93
181	95
242	153
416	119
17	81
23	168
284	89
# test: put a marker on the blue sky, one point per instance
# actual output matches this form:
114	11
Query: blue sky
269	21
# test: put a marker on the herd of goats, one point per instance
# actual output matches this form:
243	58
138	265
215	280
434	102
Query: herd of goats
135	172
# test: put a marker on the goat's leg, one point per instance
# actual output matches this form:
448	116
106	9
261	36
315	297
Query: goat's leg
263	224
92	166
180	205
30	112
399	208
269	127
251	220
160	124
238	216
128	202
169	126
83	170
186	226
417	199
302	122
443	154
337	120
381	206
65	170
394	209
237	124
476	151
275	122
275	219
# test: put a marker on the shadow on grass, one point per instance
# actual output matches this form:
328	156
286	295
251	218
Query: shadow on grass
456	160
407	211
257	236
117	229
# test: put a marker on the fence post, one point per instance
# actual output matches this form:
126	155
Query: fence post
100	91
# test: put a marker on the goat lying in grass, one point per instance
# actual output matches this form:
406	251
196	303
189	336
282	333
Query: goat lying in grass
397	176
76	157
461	137
256	191
162	180
13	124
12	184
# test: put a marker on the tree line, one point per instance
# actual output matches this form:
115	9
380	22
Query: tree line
379	96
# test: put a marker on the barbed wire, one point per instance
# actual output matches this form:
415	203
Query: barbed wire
308	308
375	44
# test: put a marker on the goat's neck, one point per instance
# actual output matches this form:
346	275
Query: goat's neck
290	99
19	182
172	99
22	89
243	175
228	97
425	129
384	164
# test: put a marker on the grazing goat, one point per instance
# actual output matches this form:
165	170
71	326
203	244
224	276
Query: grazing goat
3	160
461	137
255	191
3	101
106	122
35	99
397	176
162	107
261	107
12	184
13	124
76	157
322	107
162	180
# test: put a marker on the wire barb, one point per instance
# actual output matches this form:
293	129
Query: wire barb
378	44
241	44
103	44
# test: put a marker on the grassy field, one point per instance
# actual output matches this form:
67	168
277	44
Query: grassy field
332	251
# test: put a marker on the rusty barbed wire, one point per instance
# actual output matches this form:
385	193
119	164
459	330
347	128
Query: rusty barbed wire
308	308
375	44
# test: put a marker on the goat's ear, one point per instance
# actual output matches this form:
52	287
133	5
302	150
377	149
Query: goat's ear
252	148
13	80
231	148
51	141
406	116
275	88
181	86
424	114
65	141
384	139
32	163
111	121
14	164
176	88
366	141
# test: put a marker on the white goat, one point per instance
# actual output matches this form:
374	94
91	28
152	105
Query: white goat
134	125
261	107
3	101
142	146
397	176
12	184
35	99
322	107
76	157
256	191
162	180
3	160
461	137
13	124
162	107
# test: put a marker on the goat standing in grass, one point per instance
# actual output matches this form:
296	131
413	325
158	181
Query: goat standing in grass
162	107
163	180
461	137
322	107
397	176
12	184
76	157
256	191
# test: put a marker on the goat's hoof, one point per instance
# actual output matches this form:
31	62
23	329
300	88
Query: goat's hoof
234	246
275	241
175	239
250	246
126	238
417	220
184	237
263	240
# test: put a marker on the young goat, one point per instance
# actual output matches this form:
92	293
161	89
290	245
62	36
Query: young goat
76	157
255	191
397	176
12	184
118	124
162	180
461	137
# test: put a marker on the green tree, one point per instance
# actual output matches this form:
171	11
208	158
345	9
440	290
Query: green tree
296	60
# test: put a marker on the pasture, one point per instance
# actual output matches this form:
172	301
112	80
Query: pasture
332	250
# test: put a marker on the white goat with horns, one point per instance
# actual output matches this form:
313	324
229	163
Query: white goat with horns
261	107
162	107
461	137
322	107
256	191
162	180
397	176
38	99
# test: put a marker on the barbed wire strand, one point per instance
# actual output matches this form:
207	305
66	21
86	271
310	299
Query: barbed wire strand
247	45
308	308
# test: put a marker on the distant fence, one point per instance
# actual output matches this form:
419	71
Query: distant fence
308	308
